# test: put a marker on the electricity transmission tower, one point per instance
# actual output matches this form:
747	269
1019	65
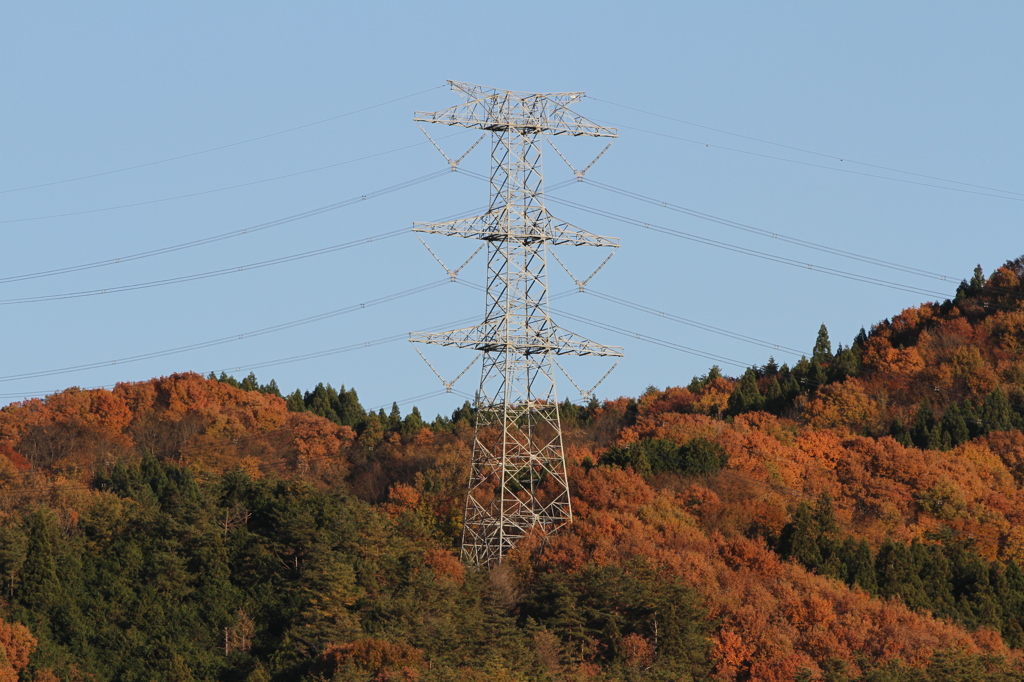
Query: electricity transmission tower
518	475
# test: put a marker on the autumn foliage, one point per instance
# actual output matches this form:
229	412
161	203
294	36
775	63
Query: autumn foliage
857	516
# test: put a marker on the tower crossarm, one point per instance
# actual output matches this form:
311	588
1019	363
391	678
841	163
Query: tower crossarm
493	338
489	227
530	113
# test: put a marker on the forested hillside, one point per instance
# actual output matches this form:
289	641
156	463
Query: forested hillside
857	516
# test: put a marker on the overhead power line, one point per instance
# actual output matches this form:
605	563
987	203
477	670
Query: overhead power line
207	275
317	354
234	233
1003	194
339	349
423	396
219	189
28	395
772	235
748	228
220	147
233	337
749	252
694	323
240	367
652	339
627	332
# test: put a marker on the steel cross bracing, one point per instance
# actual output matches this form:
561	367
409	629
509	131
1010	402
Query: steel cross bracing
518	475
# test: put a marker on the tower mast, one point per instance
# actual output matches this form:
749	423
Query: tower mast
518	476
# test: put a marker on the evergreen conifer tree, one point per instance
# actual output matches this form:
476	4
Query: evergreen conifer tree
271	389
996	414
250	383
774	398
799	538
350	412
924	423
413	423
954	424
860	564
745	397
321	402
845	363
822	353
294	402
395	418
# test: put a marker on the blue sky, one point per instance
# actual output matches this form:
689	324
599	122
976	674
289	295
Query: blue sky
891	131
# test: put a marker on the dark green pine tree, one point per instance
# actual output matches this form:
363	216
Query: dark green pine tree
846	363
901	433
465	412
700	457
271	389
321	401
250	383
700	383
745	397
954	665
13	546
861	339
1010	593
822	353
924	424
40	588
970	581
955	425
996	413
936	577
809	375
897	575
799	538
791	385
394	419
348	409
412	424
294	402
977	283
829	545
774	398
860	564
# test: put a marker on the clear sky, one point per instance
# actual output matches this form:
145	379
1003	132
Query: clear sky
891	131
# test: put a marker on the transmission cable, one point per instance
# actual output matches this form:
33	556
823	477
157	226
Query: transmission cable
213	273
619	330
748	252
748	228
258	332
694	323
223	146
234	233
423	396
651	339
234	337
339	349
773	235
815	165
805	151
219	189
318	354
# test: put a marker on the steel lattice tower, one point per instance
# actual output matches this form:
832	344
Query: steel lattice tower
518	475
